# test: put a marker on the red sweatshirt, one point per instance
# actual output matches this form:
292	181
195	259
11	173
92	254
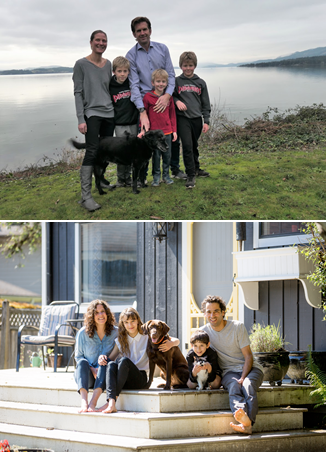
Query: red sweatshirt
166	121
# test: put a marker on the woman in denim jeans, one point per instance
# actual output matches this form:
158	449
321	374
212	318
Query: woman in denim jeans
94	339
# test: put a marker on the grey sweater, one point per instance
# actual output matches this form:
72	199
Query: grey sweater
192	92
91	90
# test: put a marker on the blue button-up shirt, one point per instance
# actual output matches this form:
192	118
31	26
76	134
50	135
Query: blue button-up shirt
142	64
92	347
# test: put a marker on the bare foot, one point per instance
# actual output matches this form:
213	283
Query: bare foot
102	408
111	407
84	407
241	428
91	407
241	416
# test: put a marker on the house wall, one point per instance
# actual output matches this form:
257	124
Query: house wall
284	301
212	260
23	281
159	277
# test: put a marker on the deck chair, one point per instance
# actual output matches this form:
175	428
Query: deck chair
54	331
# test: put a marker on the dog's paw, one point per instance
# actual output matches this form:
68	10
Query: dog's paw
136	192
167	388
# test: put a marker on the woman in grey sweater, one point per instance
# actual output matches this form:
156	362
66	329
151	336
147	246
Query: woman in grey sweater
94	109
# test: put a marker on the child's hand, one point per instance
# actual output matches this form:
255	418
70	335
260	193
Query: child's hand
175	136
205	128
181	106
166	345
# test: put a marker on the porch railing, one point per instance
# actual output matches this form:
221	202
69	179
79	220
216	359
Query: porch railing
10	320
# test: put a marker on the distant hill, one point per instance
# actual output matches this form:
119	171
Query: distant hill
317	61
40	70
310	53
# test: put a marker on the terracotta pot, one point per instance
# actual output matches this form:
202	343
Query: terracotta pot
297	368
275	366
51	360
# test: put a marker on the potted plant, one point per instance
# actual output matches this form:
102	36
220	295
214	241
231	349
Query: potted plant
50	357
267	344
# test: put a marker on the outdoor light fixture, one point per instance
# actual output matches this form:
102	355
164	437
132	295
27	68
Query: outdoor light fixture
160	230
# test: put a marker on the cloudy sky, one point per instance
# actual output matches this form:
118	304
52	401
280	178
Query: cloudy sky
56	32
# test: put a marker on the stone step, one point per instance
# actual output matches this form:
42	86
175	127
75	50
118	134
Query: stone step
145	425
68	441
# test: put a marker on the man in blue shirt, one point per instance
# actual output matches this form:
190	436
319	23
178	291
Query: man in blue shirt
144	58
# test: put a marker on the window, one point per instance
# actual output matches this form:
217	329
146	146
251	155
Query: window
278	233
108	254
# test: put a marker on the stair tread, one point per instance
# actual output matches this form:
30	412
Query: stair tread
139	414
135	443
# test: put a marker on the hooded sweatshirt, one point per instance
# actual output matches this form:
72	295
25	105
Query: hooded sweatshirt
193	93
166	121
125	111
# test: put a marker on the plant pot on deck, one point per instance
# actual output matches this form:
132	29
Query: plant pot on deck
297	368
275	365
51	360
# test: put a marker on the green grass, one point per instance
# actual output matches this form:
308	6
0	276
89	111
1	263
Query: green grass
269	169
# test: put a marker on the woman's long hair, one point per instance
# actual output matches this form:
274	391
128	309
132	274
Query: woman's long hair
122	332
89	318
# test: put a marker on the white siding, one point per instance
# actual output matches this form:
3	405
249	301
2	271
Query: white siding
27	278
212	260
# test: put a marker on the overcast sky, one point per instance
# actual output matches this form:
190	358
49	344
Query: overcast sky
56	32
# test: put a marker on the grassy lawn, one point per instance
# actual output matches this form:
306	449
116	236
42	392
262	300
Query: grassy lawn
268	169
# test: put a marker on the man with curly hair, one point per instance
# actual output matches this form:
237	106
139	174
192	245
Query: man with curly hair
95	338
241	373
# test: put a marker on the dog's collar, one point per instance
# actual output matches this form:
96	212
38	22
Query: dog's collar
157	343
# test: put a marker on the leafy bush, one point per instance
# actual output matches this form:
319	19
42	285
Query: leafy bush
317	379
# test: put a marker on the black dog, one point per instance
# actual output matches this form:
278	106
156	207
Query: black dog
127	151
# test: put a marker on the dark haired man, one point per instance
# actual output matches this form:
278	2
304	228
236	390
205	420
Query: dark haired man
241	374
144	58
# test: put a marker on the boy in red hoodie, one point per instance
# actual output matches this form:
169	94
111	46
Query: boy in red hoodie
166	121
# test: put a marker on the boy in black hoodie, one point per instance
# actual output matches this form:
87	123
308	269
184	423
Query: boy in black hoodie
193	109
125	111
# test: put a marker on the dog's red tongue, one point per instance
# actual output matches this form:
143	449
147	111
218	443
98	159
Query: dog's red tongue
154	340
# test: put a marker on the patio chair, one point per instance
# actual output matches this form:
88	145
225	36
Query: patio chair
55	330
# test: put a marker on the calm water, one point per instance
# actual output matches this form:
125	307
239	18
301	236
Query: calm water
37	114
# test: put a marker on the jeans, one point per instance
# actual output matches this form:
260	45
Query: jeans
124	171
244	396
97	127
156	160
123	374
175	156
85	379
189	131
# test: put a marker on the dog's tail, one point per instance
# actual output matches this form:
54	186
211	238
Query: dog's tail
76	144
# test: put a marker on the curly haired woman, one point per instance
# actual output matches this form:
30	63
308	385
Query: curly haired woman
130	371
95	338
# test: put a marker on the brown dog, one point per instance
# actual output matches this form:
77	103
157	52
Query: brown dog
172	363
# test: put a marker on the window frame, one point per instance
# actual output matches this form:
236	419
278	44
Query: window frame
277	240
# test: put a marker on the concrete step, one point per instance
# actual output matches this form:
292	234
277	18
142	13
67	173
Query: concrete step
145	425
59	389
68	441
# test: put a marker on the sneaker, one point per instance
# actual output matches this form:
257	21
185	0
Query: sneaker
120	183
179	174
168	180
156	183
191	182
202	173
128	182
